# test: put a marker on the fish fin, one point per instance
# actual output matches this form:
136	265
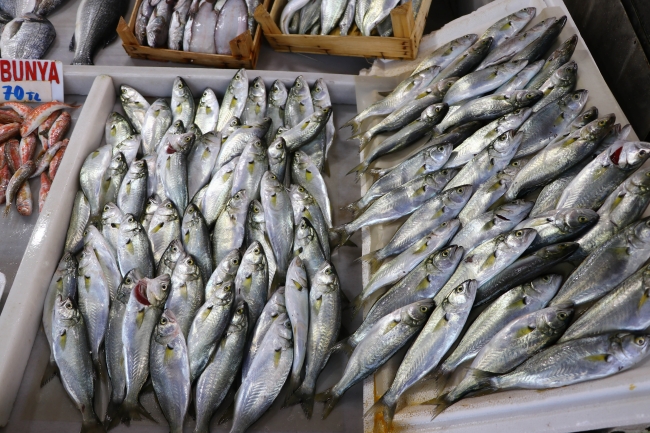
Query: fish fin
303	396
379	172
72	45
364	140
388	411
294	384
385	93
373	259
127	412
359	170
92	426
343	346
354	124
51	371
357	304
339	236
330	399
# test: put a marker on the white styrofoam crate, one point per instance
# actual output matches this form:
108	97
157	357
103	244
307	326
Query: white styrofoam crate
618	400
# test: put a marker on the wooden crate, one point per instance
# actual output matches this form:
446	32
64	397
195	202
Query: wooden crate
407	32
245	47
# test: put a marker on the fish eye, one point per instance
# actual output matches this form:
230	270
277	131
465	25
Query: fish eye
576	96
640	341
240	311
440	149
180	86
85	232
168	205
256	209
278	146
519	233
529	96
647	223
444	172
187	139
298	85
459	190
128	280
163	320
273	177
445	253
602	123
256	250
444	224
642	152
131	219
546	278
301	189
437	109
517	111
328	271
562	315
235	261
582	219
68	305
175	249
106	208
124	90
460	289
163	286
190	261
424	309
515	164
648	174
227	288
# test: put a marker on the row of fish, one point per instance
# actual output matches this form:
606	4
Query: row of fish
516	176
202	26
23	130
189	260
322	17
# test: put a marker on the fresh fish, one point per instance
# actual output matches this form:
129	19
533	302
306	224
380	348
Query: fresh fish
489	107
236	142
559	84
234	99
170	370
288	13
305	206
360	12
558	58
27	37
75	366
225	272
230	227
278	214
426	161
558	157
277	98
207	112
439	333
559	225
222	368
267	375
447	53
549	122
296	294
331	12
165	227
157	120
608	265
232	22
106	257
304	173
275	308
309	16
516	302
299	104
490	224
132	194
170	257
187	293
133	248
277	156
177	24
251	281
537	48
218	193
91	175
201	161
142	19
196	240
78	222
209	324
521	80
255	107
307	246
172	168
252	165
550	194
110	223
510	26
112	180
306	130
182	102
378	10
231	126
95	27
159	22
24	203
524	269
467	61
385	338
199	31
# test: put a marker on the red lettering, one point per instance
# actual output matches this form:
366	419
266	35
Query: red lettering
5	70
20	69
42	67
54	74
30	71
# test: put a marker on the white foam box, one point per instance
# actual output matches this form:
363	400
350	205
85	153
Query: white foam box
24	352
618	400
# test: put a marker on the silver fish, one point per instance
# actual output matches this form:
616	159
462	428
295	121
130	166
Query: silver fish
307	246
201	161
508	27
218	192
232	22
132	194
133	248
309	16
520	80
177	23
157	120
135	106
172	168
164	228
277	156
159	22
256	232
559	225
305	206
230	227
252	165
296	293
196	240
558	58
91	176
112	180
186	296
236	142
94	27
447	53
378	10
255	107
207	112
144	12
199	31
559	84
231	126
111	220
467	61
304	173
129	147
288	12
278	214
234	99
106	256
550	194
182	102
299	104
78	222
251	281
307	129
541	45
169	258
223	273
277	98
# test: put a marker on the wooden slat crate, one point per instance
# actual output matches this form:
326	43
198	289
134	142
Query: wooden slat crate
245	47
407	32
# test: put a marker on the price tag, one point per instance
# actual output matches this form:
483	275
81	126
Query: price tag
31	80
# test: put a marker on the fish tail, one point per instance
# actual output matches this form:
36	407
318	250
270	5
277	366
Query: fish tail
125	413
364	140
441	403
330	399
51	371
305	396
7	209
386	409
294	384
343	346
353	208
353	123
92	426
373	259
339	236
359	170
357	304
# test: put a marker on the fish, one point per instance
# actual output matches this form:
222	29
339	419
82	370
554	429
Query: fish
385	338
177	23
251	281
201	161
43	161
308	17
521	80
408	135
559	225
170	370
558	58
208	326
550	194
252	165
256	232
75	366
377	12
541	45
133	248
466	62
608	265
220	373
199	31
27	37
331	12
232	22
132	194
296	294
299	104
169	258
171	167
561	82
446	53
524	269
196	239
187	292
437	336
207	112
509	26
436	211
277	157
218	192
490	224
489	107
34	119
112	179
95	27
304	205
230	227
142	19
224	272
304	173
157	119
548	123
234	100
182	102
267	375
255	107
165	227
159	23
513	304
15	183
236	142
78	221
106	257
558	157
24	204
91	174
277	98
56	163
307	246
306	130
288	13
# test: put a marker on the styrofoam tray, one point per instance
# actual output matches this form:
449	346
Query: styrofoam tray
618	400
24	352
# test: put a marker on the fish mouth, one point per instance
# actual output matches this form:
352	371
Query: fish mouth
140	293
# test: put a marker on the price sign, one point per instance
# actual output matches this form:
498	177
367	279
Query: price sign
31	80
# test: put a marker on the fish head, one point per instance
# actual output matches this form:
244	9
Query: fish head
320	93
167	328
230	264
301	160
118	165
445	259
257	91
514	119
192	218
66	311
440	178
446	229
155	29
281	130
632	154
574	101
194	129
441	87
517	241
515	210
322	114
481	46
296	275
283	333
139	169
186	265
525	98
278	94
566	74
277	151
566	49
68	264
300	194
239	200
256	213
639	182
326	278
239	321
599	128
437	155
586	117
263	125
575	219
208	99
92	235
523	15
224	293
160	106
255	255
183	142
554	320
434	113
167	211
305	233
507	142
417	313
173	252
462	295
129	95
463	42
240	80
112	215
300	89
424	77
157	290
180	89
558	251
559	24
629	348
456	198
128	284
542	288
233	125
86	259
516	165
